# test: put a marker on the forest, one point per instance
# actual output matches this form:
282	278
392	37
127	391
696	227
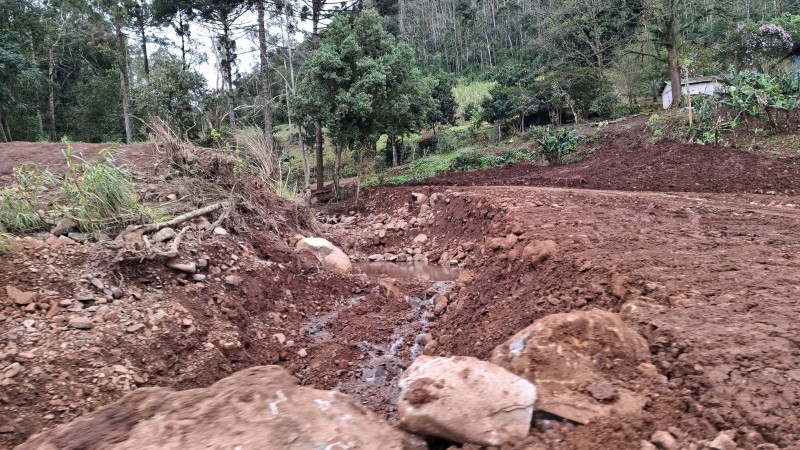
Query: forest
363	79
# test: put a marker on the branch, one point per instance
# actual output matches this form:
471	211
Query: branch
634	52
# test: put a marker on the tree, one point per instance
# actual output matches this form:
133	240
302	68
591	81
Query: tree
15	70
362	83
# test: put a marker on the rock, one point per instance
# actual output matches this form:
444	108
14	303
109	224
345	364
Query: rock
189	267
19	297
420	239
198	277
64	227
439	303
81	323
724	441
302	353
163	234
76	237
465	400
603	392
134	328
233	280
538	252
388	289
83	297
647	445
12	370
419	198
111	316
219	231
375	257
331	256
97	283
561	353
663	439
280	337
259	407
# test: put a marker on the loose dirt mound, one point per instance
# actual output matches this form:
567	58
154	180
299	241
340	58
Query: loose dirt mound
50	155
628	160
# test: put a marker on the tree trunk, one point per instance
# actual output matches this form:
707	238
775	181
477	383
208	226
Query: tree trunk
122	64
318	151
227	72
266	82
316	10
337	162
183	39
146	61
394	149
51	98
672	60
306	168
3	137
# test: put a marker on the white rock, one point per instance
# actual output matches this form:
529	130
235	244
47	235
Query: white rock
331	256
163	234
465	400
219	231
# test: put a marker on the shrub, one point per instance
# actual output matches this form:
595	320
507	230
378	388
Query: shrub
100	195
6	243
445	143
19	205
555	144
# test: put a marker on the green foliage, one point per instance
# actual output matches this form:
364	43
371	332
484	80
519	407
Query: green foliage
6	243
445	143
554	144
469	96
100	195
755	94
19	205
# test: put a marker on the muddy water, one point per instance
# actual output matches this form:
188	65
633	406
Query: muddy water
408	271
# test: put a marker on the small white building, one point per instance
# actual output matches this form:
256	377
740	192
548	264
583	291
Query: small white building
699	85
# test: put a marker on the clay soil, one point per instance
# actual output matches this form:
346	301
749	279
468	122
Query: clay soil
681	241
628	158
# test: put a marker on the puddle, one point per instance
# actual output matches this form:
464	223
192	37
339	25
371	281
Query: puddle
408	271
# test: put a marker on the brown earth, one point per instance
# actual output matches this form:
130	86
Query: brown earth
709	279
628	158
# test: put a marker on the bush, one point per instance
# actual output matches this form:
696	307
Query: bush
604	106
100	195
555	144
445	143
18	205
473	160
6	243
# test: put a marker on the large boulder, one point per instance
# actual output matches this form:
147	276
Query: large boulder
331	256
576	360
260	407
463	399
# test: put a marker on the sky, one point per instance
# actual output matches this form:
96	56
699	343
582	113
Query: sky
246	45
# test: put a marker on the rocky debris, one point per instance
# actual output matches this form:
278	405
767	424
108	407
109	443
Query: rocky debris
389	289
331	256
81	323
233	280
12	370
538	252
420	239
257	407
664	440
163	234
419	198
465	400
504	243
724	441
64	227
188	267
573	358
18	297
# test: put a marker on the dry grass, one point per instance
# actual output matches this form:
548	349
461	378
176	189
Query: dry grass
259	149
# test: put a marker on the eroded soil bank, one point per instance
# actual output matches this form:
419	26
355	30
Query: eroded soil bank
710	280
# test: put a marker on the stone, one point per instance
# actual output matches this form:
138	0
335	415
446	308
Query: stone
280	337
439	303
81	323
389	289
189	267
163	234
724	441
76	237
419	198
420	239
563	353
375	257
12	370
465	400
664	439
134	328
233	280
111	316
64	227
259	407
331	256
538	252
219	231
19	297
83	296
97	283
63	240
647	445
302	353
198	277
603	392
